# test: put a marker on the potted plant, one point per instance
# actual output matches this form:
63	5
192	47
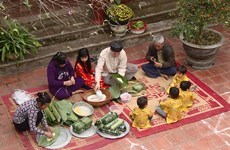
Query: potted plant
118	16
199	42
16	41
137	26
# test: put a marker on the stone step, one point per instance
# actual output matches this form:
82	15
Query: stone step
152	6
78	33
44	25
94	43
50	29
84	30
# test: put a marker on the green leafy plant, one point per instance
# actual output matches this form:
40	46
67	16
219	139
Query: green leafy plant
16	41
138	24
119	13
194	16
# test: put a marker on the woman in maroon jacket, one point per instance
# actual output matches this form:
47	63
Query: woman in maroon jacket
61	80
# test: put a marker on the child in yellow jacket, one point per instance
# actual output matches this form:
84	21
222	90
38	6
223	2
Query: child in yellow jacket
179	77
186	95
171	108
141	115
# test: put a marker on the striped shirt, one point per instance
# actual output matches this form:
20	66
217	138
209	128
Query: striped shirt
30	110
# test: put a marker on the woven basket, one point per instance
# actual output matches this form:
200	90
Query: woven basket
91	92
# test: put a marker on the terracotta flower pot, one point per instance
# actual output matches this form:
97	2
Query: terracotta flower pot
201	56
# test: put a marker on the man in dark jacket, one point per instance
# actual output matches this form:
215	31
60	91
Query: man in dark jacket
161	59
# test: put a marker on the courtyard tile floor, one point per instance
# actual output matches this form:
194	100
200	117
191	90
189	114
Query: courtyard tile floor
209	134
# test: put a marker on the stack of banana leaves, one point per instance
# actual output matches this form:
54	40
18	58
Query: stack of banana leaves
111	124
44	141
123	85
60	112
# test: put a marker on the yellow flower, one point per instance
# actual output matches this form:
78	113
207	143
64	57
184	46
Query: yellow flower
119	12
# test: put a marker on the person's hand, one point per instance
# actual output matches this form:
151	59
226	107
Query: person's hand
97	86
157	64
50	129
161	100
72	80
49	134
130	116
68	83
151	118
152	59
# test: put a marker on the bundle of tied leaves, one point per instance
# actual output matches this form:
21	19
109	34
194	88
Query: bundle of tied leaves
60	112
111	124
82	124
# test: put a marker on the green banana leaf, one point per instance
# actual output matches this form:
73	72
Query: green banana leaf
43	140
55	111
64	108
51	120
131	87
61	111
115	91
120	79
64	105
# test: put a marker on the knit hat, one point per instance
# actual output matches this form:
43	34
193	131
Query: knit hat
116	46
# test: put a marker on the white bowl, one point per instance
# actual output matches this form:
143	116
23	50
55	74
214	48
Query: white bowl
137	31
116	108
125	97
83	109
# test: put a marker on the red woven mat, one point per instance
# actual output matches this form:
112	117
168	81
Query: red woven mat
28	139
207	103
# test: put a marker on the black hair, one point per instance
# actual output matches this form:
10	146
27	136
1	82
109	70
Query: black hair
60	58
142	102
182	69
43	98
116	46
174	92
184	85
83	53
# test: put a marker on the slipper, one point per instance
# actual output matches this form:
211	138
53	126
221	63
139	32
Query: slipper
165	76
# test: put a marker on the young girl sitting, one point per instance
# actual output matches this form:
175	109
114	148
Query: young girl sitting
178	77
186	95
171	108
141	115
83	68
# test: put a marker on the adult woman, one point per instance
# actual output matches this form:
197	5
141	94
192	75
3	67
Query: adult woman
61	80
30	114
